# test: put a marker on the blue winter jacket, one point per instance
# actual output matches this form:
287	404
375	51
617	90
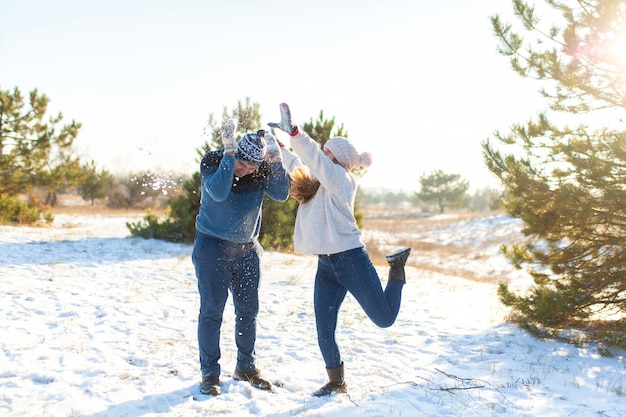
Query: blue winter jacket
230	207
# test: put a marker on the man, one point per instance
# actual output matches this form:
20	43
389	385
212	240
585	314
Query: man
226	251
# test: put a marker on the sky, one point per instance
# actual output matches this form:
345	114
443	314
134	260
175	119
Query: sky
115	334
419	86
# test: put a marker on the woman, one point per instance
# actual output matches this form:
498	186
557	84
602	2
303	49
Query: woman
325	187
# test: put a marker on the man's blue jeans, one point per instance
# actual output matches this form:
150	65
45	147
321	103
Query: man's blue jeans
350	271
221	267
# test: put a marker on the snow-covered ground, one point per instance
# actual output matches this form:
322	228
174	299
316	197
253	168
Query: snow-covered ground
94	322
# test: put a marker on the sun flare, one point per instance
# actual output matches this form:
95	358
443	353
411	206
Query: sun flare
617	49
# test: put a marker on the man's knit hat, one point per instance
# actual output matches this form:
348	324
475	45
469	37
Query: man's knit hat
251	148
346	154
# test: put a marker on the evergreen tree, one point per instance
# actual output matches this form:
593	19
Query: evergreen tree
34	151
444	190
567	183
95	184
485	199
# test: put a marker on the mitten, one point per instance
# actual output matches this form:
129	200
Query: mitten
228	137
272	154
285	121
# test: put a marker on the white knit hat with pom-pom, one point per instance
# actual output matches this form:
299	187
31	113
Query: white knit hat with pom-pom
346	154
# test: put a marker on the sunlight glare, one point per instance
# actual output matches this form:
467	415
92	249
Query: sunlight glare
617	49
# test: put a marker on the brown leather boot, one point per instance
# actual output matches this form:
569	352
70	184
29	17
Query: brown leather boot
336	383
254	378
210	385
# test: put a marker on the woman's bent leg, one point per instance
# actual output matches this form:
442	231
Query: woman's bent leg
359	276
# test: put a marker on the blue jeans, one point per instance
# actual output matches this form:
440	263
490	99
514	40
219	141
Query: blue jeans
351	271
221	267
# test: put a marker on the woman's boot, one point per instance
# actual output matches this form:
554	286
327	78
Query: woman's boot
396	261
336	384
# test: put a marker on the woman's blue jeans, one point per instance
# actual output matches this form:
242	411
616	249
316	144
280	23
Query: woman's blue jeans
221	267
350	271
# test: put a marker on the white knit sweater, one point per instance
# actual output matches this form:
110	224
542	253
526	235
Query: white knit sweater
325	225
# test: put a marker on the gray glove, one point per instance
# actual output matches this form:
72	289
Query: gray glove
285	121
228	137
273	153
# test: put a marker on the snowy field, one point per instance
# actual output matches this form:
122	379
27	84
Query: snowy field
96	323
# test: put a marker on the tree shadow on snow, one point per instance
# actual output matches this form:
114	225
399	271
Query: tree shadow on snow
89	251
168	402
151	404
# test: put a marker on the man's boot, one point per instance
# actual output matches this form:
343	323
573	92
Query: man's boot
210	385
397	260
254	378
336	384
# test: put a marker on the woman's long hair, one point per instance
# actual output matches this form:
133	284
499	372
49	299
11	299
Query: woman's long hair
303	186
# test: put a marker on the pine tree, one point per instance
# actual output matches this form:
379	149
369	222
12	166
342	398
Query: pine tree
94	184
567	183
34	152
444	190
